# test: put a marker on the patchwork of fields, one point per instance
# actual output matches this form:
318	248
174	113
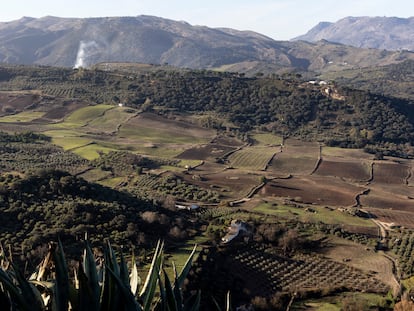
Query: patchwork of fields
287	179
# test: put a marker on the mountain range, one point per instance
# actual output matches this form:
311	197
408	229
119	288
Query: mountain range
388	33
77	42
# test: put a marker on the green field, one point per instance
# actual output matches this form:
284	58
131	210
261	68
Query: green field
91	151
25	116
96	174
111	182
252	158
83	116
266	139
112	118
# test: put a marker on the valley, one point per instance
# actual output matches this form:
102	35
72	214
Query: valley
118	153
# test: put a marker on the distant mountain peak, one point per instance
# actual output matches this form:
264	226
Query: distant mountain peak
388	33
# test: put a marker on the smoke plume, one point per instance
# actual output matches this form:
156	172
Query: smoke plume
85	51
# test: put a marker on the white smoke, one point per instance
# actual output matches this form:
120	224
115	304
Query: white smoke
86	50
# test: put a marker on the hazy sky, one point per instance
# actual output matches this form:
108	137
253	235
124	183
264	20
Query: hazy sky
279	19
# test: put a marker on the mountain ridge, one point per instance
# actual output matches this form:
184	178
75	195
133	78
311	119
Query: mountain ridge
81	42
389	33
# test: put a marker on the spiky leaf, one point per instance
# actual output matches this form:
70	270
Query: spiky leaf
170	294
134	279
148	290
90	273
61	298
128	298
186	268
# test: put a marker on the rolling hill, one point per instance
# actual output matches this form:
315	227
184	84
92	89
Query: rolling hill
125	151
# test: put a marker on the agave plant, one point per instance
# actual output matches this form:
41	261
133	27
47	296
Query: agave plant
101	285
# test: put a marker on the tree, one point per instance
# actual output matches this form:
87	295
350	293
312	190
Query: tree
289	241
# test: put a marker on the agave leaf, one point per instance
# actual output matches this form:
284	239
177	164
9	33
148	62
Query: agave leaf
110	296
162	306
193	303
148	290
123	271
74	297
40	272
112	262
128	298
228	304
177	290
14	292
86	299
46	289
134	279
31	295
186	268
61	298
5	301
218	308
170	295
90	273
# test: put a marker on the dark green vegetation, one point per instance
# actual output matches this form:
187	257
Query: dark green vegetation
139	152
334	115
392	80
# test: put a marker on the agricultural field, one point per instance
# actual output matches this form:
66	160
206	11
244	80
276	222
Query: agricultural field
25	116
252	158
386	200
356	171
313	190
266	139
391	173
295	158
327	196
111	120
16	102
83	116
314	214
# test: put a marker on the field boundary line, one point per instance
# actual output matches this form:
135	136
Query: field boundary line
318	162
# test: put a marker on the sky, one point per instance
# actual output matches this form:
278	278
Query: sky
278	19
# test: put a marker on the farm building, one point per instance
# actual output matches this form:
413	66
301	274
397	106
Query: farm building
234	230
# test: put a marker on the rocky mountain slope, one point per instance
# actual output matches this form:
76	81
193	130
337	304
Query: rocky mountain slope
389	33
82	42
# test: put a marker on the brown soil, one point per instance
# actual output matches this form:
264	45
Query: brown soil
399	218
390	173
16	102
151	120
60	111
314	190
355	171
387	200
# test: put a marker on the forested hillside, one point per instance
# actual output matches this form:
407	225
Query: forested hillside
395	80
247	168
287	106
